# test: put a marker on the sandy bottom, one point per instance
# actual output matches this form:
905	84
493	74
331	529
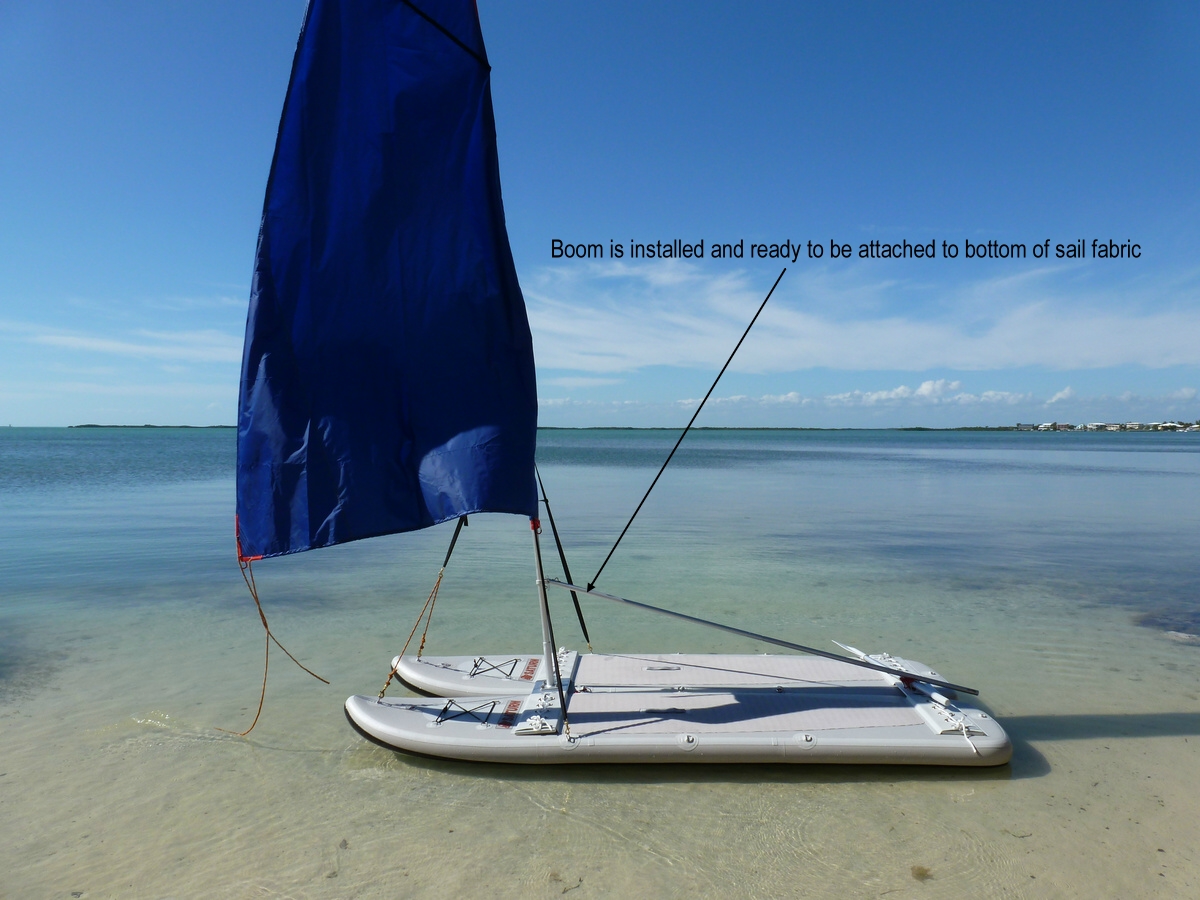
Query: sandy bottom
114	780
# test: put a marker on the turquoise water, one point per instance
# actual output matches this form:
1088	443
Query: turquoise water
1055	572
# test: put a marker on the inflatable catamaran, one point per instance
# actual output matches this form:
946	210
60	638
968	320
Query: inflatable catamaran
388	385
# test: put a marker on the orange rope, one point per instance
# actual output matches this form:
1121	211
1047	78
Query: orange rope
248	577
429	601
429	618
261	697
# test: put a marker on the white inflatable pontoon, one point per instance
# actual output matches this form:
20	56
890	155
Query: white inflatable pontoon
645	708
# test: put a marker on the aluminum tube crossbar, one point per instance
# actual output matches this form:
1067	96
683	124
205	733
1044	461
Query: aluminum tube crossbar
861	663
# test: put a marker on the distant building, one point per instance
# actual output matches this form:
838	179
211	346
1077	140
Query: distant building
1110	426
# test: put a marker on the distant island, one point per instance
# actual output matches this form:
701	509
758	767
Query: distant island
1020	426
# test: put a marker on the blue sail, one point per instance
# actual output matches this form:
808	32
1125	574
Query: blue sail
387	376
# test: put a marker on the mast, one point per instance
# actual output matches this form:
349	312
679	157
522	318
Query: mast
550	659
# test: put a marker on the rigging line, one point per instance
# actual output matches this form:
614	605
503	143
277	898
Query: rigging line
444	30
421	615
428	607
767	639
261	697
250	583
562	557
596	577
246	567
433	597
462	520
429	616
248	576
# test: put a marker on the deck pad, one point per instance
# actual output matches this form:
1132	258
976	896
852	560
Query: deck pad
454	676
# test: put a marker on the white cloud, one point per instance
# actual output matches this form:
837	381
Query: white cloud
791	397
205	346
593	404
927	392
619	317
187	304
1185	395
569	382
169	390
1066	393
82	371
1008	397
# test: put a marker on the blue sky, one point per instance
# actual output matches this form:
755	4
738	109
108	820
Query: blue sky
138	136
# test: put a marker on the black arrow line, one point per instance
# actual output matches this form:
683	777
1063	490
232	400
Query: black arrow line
596	577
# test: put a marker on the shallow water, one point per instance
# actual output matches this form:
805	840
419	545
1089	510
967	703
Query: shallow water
1043	569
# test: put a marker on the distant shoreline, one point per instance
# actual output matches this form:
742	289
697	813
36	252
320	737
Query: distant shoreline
655	428
650	427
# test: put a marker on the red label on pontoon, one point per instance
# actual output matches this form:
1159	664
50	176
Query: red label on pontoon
509	716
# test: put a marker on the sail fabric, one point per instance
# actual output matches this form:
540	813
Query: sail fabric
387	376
